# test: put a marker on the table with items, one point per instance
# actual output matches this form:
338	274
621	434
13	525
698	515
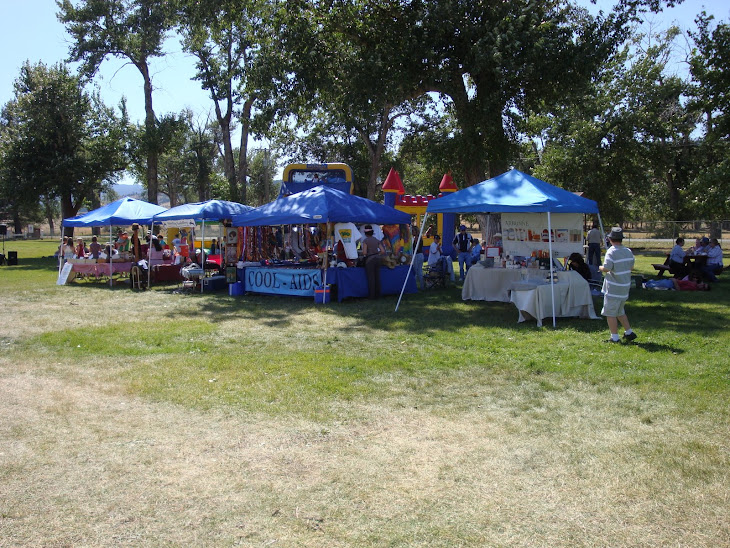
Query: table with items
489	284
533	297
90	267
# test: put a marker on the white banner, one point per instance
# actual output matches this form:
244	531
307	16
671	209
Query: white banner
523	233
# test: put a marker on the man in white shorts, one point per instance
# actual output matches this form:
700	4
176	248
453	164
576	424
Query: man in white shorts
617	266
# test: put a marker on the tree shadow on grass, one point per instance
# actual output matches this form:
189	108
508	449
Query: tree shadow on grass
444	310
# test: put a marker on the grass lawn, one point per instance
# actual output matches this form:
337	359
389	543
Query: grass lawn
157	418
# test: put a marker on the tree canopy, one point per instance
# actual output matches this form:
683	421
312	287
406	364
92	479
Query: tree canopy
58	141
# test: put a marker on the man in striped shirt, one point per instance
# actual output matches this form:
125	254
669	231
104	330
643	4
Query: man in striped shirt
616	268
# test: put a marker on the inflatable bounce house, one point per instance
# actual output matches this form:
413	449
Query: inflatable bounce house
396	197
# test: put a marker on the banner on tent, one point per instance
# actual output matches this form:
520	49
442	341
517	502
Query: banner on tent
179	223
282	281
523	233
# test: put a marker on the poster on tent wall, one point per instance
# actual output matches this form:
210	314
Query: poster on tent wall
525	233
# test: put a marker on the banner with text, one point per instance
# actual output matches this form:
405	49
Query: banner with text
283	281
523	233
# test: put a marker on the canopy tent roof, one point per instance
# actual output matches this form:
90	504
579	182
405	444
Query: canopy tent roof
320	205
124	211
215	210
515	192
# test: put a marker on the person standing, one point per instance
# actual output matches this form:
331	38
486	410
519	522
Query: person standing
617	266
463	243
417	256
594	245
136	244
372	249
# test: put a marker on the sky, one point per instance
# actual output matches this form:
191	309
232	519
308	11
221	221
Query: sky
29	30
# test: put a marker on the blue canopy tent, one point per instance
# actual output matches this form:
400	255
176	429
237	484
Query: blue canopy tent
515	192
321	205
124	211
211	210
121	212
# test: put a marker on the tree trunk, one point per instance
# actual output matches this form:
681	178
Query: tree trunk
68	209
95	204
375	150
49	216
229	163
150	126
243	150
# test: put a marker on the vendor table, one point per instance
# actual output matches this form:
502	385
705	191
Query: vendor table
533	299
353	282
101	269
350	282
490	284
166	273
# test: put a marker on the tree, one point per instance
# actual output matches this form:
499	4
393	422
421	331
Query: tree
627	142
345	65
187	153
131	29
236	61
261	177
710	68
58	141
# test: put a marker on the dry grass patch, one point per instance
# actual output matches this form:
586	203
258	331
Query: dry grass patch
83	465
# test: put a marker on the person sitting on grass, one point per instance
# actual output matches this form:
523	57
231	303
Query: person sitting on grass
684	284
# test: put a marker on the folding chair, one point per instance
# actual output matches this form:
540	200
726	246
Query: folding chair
434	276
596	281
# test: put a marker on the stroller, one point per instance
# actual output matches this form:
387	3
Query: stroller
435	276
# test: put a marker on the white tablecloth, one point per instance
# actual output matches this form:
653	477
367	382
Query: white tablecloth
572	298
489	284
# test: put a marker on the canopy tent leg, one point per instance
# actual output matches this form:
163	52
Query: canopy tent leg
410	267
111	254
202	253
149	256
550	251
603	232
60	252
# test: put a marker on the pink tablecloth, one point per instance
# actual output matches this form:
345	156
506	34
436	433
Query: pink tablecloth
102	269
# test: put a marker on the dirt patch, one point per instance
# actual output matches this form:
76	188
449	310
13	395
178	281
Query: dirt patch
85	465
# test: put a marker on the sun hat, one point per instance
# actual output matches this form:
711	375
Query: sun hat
617	234
462	227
